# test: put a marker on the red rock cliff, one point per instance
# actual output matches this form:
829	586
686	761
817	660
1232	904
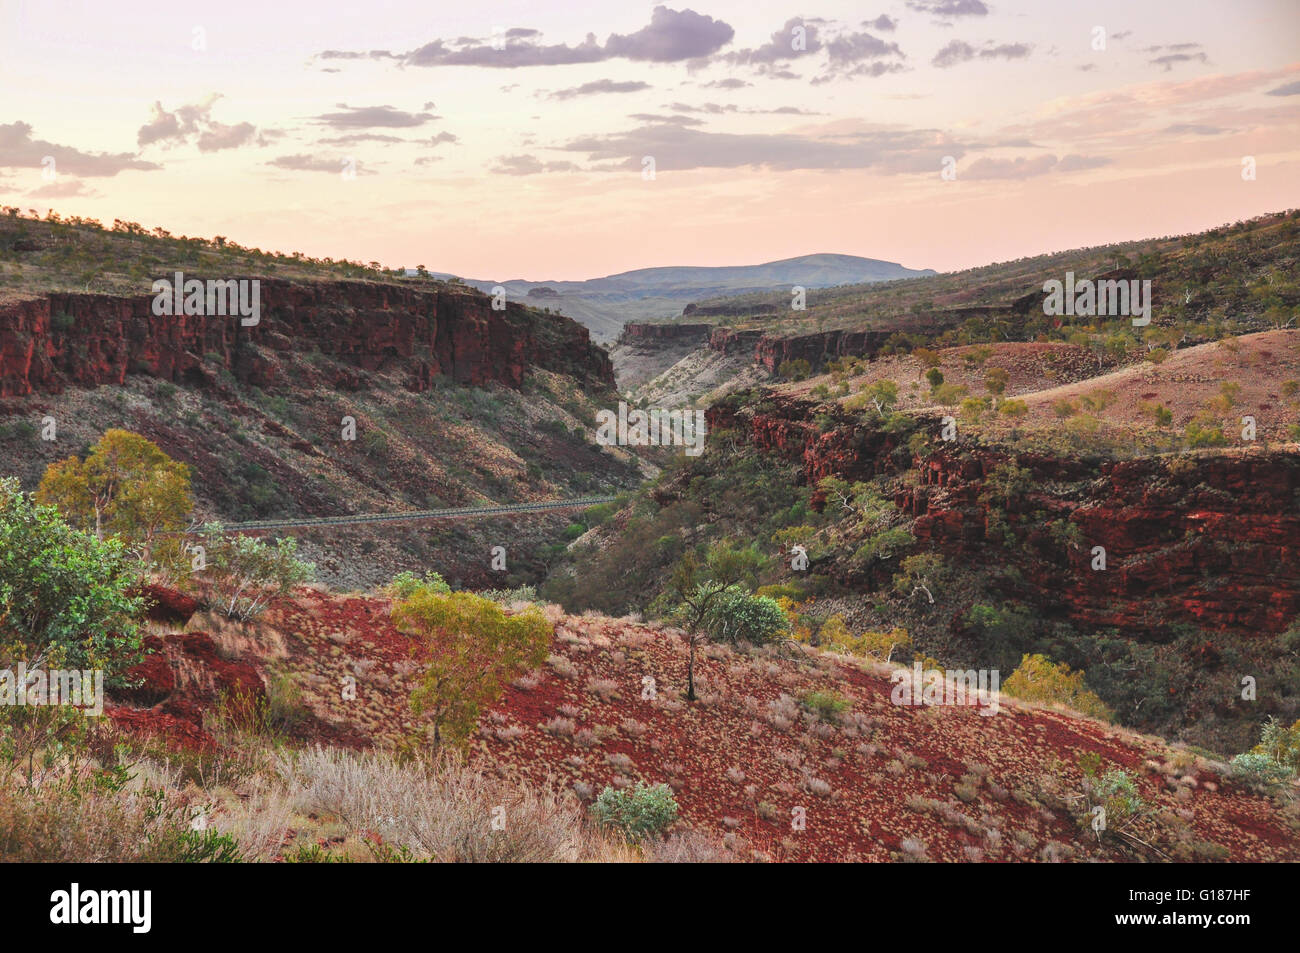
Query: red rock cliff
84	340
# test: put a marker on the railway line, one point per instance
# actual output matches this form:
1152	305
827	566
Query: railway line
457	512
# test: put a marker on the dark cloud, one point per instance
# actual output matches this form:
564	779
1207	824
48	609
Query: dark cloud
883	23
959	51
671	36
1289	89
19	150
1169	60
600	86
365	117
949	8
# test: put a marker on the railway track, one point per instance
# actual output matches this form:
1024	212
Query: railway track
458	512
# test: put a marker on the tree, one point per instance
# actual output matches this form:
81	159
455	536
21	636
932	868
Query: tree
474	649
883	394
698	586
996	380
63	591
246	572
935	377
125	487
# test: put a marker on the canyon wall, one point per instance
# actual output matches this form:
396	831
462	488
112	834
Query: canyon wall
84	340
1210	539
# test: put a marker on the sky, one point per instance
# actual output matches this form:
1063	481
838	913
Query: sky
569	140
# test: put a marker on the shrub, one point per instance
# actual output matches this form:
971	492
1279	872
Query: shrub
638	813
825	704
1038	679
65	590
1258	770
406	584
245	572
740	617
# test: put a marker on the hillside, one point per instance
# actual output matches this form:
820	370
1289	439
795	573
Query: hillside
1236	279
876	782
450	403
604	305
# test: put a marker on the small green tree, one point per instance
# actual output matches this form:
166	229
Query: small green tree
473	648
699	586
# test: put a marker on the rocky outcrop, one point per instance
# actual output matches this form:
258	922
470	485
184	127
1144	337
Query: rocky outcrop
1211	540
84	340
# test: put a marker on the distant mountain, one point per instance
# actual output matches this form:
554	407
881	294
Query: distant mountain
605	304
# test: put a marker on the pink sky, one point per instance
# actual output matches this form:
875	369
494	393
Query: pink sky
498	141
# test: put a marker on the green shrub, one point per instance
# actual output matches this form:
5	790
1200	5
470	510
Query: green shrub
740	617
1258	770
825	704
641	812
406	584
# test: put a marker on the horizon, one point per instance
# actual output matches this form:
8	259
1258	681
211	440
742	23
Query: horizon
457	141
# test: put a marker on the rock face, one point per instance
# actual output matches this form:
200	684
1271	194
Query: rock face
84	340
1210	540
634	333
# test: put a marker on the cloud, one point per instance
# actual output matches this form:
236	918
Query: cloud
194	121
365	117
19	150
988	169
882	23
1019	168
671	36
1075	163
61	190
676	148
949	8
729	83
1288	89
310	163
1177	53
219	136
959	51
717	109
530	165
600	86
798	37
1195	129
655	117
